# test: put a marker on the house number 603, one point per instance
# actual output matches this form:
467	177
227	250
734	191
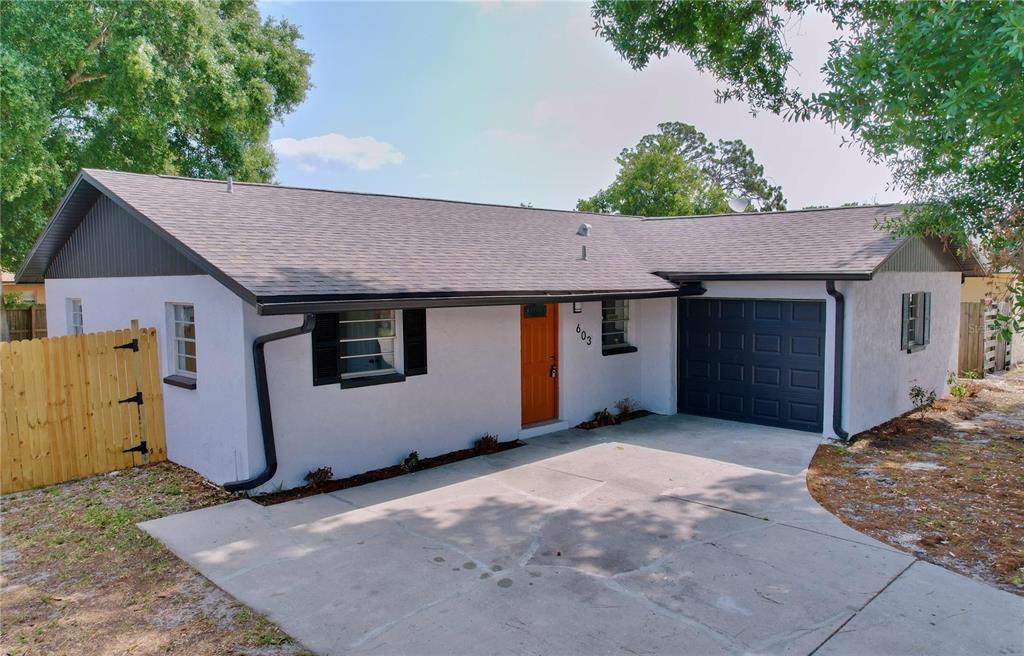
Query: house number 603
584	336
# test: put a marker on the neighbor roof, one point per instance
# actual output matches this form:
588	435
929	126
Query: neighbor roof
276	245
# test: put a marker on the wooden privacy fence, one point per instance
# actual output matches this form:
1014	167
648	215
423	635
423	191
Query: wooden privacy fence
981	349
62	412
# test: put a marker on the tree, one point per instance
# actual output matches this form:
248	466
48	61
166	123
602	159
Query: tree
933	89
152	86
678	171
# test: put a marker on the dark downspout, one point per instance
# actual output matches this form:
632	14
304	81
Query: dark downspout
837	369
263	400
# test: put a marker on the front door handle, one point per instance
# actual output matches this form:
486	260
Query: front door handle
554	371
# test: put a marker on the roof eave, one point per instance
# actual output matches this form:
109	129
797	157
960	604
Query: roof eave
20	276
290	305
686	276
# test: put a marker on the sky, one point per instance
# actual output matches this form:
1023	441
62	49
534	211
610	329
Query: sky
521	103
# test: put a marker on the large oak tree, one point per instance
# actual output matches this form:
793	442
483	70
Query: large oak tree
933	89
678	171
154	86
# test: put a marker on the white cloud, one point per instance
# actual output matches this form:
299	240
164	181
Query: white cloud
361	153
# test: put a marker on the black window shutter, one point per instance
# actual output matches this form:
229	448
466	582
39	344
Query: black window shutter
326	349
926	313
414	333
905	326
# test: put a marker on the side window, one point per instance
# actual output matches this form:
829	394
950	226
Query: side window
74	315
916	328
183	336
615	327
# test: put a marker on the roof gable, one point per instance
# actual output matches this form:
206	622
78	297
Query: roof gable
109	243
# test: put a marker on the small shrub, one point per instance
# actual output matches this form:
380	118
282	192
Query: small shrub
411	462
970	374
921	398
627	406
605	418
486	444
957	388
318	477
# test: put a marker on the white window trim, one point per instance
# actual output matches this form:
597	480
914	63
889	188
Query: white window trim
73	327
397	353
172	340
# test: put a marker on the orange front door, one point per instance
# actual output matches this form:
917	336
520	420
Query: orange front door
539	330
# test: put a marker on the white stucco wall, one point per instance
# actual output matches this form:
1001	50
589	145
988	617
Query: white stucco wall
205	427
880	373
472	387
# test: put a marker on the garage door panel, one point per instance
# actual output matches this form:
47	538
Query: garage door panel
767	343
760	360
732	404
805	345
767	375
731	372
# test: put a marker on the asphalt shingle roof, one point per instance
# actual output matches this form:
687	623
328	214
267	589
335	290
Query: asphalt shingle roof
278	241
837	241
275	241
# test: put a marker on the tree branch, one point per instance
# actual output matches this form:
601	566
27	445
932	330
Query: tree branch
78	76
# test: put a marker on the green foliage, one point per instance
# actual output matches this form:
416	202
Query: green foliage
411	462
153	86
317	477
486	443
15	301
605	418
921	398
933	89
957	388
678	171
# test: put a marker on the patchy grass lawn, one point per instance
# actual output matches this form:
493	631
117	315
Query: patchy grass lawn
79	578
947	486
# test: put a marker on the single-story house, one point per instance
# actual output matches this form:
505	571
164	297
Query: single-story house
372	326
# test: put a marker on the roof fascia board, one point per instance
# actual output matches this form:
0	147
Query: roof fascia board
697	277
72	189
191	255
271	307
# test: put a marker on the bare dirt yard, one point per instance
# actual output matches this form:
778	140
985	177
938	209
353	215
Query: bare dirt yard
946	485
79	578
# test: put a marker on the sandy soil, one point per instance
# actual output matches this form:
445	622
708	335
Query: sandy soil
946	484
79	578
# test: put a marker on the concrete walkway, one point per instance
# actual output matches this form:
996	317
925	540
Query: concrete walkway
667	535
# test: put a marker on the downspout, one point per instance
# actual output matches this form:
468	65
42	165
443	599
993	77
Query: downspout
263	401
837	369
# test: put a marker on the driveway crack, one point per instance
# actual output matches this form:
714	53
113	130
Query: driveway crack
865	605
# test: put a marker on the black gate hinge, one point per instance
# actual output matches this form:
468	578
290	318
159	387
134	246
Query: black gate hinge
133	345
135	398
140	447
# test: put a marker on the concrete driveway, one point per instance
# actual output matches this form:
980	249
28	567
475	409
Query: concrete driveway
667	535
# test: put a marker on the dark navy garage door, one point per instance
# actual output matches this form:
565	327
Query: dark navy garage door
753	360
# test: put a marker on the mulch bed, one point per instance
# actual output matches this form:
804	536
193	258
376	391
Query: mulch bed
614	421
273	498
946	485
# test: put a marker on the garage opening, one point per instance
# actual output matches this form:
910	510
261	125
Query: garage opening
754	360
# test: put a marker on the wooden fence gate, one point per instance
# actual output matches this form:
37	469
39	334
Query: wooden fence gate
65	414
972	338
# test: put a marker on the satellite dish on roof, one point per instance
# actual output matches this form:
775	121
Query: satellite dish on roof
739	204
584	230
